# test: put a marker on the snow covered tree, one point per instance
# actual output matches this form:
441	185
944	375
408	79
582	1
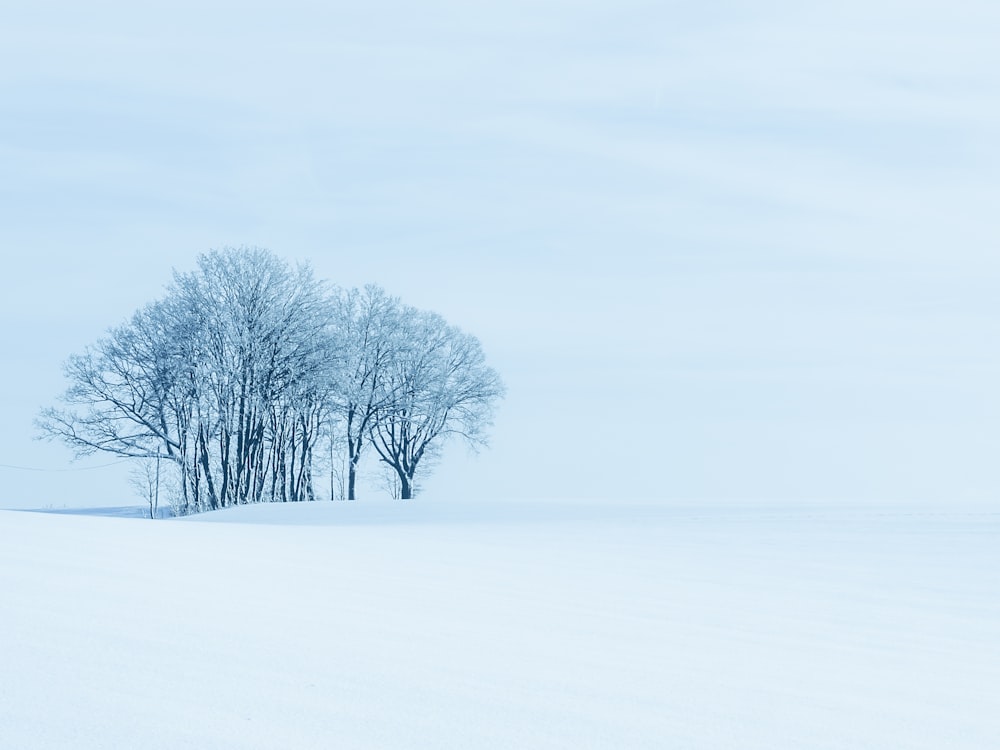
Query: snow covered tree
145	478
262	344
226	377
122	397
436	385
367	323
235	376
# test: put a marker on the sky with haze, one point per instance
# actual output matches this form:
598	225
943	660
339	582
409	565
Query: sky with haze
721	250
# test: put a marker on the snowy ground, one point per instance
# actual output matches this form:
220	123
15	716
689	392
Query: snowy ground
429	625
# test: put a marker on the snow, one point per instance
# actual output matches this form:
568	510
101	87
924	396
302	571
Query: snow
500	625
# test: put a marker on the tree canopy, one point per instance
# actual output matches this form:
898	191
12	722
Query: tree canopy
247	365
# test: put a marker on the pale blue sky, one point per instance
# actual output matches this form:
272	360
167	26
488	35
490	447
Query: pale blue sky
731	250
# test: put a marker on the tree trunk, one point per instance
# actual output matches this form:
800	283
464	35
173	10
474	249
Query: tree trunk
155	507
213	498
352	474
353	458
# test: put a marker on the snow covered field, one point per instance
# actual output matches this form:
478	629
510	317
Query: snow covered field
504	625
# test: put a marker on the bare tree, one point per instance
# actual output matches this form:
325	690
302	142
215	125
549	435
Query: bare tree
436	385
226	376
122	394
262	346
366	322
239	372
145	477
389	482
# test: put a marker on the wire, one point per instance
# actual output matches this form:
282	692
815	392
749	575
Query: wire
53	471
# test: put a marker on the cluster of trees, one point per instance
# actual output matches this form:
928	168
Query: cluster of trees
249	374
